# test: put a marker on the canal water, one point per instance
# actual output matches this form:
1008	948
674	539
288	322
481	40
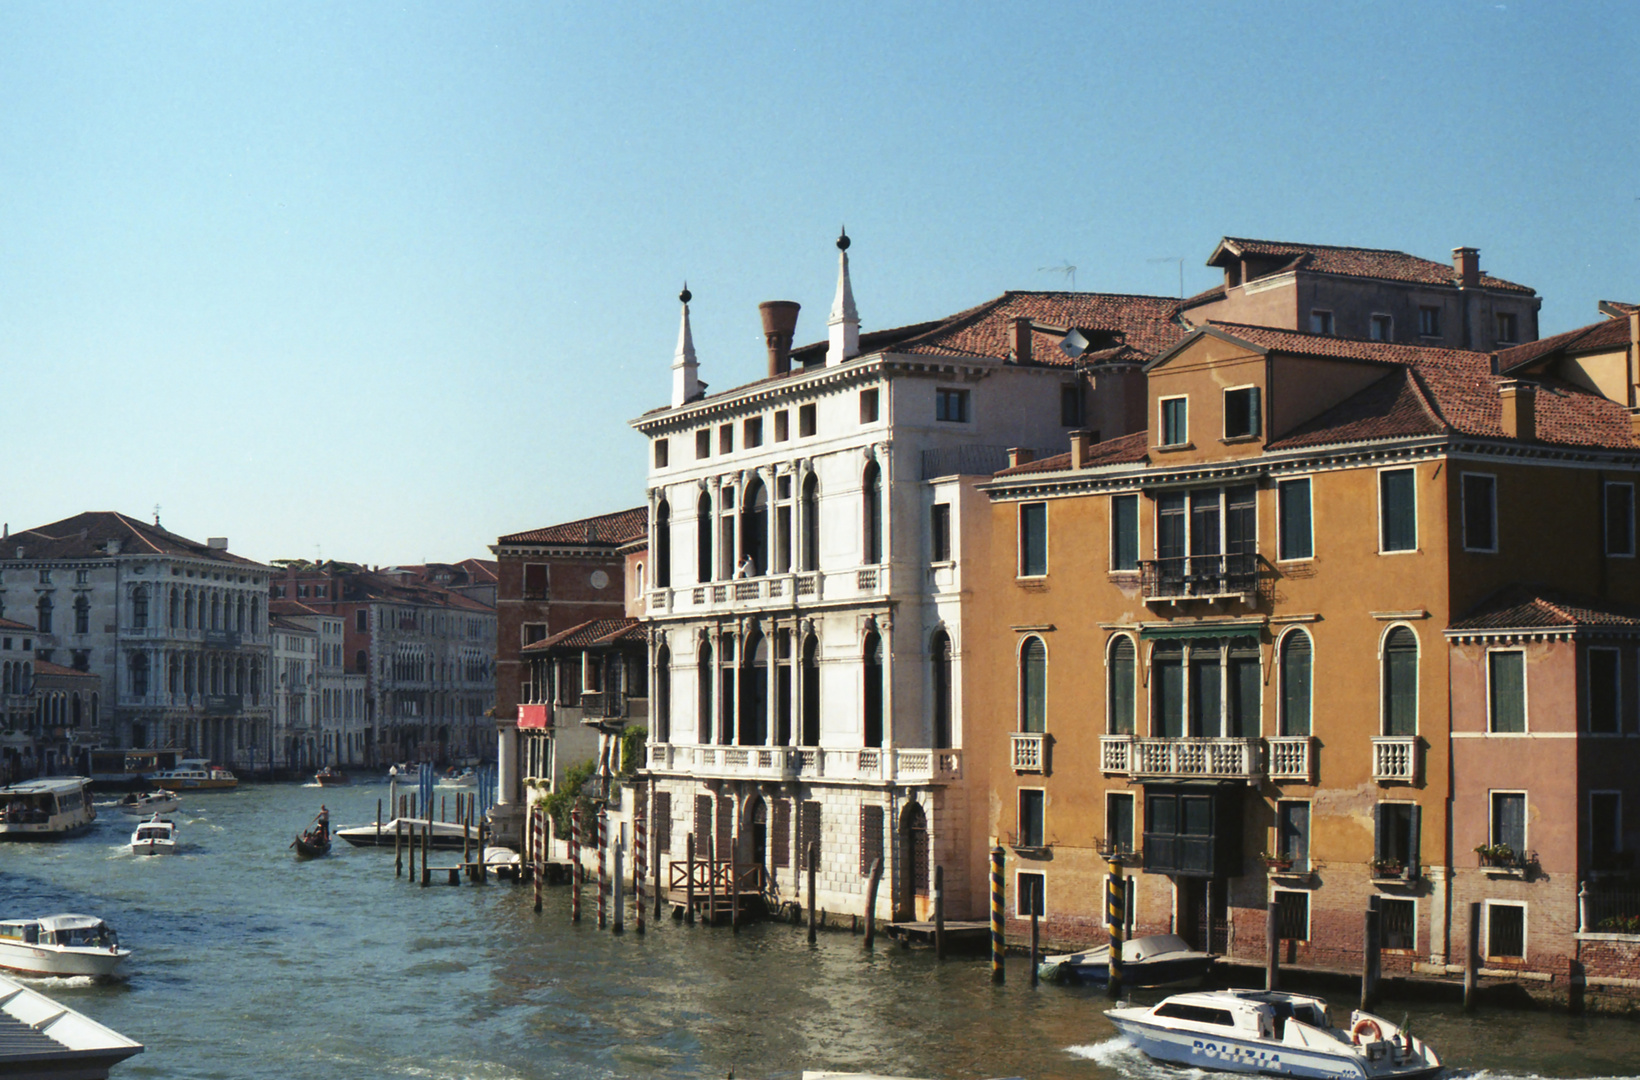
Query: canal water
249	965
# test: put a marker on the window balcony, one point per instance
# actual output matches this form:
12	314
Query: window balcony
1030	752
913	766
771	591
1199	577
1215	759
1292	757
1395	759
1116	755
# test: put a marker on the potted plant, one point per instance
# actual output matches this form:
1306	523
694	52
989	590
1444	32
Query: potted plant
1500	855
1387	868
1276	862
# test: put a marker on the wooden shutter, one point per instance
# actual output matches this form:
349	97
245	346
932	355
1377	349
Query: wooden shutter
725	827
1414	839
663	822
1295	684
871	836
703	824
1033	680
1122	687
782	847
809	832
1401	683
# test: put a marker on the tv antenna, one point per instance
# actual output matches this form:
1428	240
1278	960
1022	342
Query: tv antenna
1064	269
1173	259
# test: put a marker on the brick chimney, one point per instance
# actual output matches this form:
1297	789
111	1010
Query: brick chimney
1519	409
1019	455
779	324
1079	447
1466	263
1019	340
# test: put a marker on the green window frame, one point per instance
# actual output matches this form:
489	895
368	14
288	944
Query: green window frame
1506	691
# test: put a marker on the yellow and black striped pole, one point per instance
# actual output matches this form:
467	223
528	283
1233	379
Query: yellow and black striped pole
1115	917
996	914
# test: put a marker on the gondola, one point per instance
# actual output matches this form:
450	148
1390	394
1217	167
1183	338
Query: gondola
316	840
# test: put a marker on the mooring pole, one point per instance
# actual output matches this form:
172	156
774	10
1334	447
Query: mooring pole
398	847
603	869
426	851
637	866
618	923
1272	946
871	899
734	884
939	913
814	863
998	973
711	880
536	839
1369	954
656	857
575	872
1472	955
1034	940
689	885
1115	923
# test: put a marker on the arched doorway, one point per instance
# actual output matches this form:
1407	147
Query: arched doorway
757	839
914	860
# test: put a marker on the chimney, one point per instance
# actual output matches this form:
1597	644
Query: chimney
217	543
1019	340
779	324
1079	447
1019	455
1467	263
1519	409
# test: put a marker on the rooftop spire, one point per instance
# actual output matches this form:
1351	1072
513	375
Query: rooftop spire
844	324
686	384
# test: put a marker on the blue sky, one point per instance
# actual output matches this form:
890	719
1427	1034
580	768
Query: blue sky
382	282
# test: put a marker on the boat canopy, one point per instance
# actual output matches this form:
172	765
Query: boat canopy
70	922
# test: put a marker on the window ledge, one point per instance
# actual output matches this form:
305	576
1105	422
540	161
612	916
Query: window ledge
1171	448
1231	440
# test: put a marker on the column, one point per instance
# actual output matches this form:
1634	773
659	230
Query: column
506	761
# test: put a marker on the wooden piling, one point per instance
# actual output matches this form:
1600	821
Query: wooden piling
575	864
1472	956
444	807
603	869
814	863
734	884
939	912
1272	946
483	845
711	880
998	974
689	884
378	820
656	857
398	847
638	867
537	867
1034	943
426	851
1369	955
617	923
871	899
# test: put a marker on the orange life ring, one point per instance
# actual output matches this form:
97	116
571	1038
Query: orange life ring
1363	1025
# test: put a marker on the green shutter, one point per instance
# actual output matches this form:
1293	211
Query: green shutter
1122	687
1400	520
1295	684
1296	538
1033	678
1508	677
1167	675
1124	532
1401	683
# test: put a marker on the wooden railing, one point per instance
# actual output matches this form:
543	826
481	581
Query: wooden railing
720	874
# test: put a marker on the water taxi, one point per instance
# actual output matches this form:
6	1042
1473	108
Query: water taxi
46	809
331	777
61	945
1156	960
146	806
195	774
1272	1033
446	835
466	778
155	837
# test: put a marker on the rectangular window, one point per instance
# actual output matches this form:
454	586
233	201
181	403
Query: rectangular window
1241	413
703	443
808	831
1297	539
951	405
535	581
871	837
1507	332
534	632
1605	828
1030	896
1119	822
1397	513
753	434
1506	692
868	406
1605	695
1031	832
806	424
1033	539
1293	833
661	453
1321	322
360	618
1397	840
1175	421
1070	405
1123	664
1509	821
1292	915
663	821
1480	512
1398	923
1429	322
1381	328
780	842
1619	519
782	426
703	824
1505	930
939	531
1243	691
1124	532
726	439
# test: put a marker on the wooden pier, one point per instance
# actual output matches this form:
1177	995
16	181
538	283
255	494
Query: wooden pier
962	937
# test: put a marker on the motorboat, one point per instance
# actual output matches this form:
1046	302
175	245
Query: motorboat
1274	1033
195	774
149	804
330	777
156	836
447	835
46	809
45	1038
1156	960
503	862
466	778
64	944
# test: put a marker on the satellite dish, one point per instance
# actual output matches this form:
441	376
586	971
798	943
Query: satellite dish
1074	344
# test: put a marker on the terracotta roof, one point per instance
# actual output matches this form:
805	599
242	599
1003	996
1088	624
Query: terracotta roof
8	624
85	536
1122	450
1617	309
590	633
1395	406
1606	334
1379	263
610	529
1327	346
1531	607
1148	324
46	667
291	607
281	623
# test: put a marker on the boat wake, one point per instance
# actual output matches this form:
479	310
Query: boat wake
1122	1056
55	982
1490	1074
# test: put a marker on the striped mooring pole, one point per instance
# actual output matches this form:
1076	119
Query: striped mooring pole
996	915
638	864
1115	918
603	869
537	842
575	872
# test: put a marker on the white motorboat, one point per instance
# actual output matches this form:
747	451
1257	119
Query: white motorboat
42	1037
447	835
1156	960
61	945
195	774
149	804
1273	1033
465	779
154	837
46	809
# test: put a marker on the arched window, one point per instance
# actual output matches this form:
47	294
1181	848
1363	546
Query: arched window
728	679
663	545
809	553
188	610
76	716
811	692
239	615
1033	686
914	835
1296	653
82	615
256	609
663	695
96	709
216	611
940	676
176	608
872	487
139	674
139	608
754	528
1123	695
754	692
44	611
703	714
873	690
173	674
703	538
1400	682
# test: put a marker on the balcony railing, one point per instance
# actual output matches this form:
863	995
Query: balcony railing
1116	754
223	704
1395	758
787	762
1227	759
1199	577
1292	757
1030	752
772	590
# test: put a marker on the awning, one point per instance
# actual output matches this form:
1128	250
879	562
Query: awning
1176	631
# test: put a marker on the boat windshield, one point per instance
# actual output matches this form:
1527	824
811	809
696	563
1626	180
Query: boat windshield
1302	1011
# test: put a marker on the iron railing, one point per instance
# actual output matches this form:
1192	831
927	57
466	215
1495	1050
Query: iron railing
1199	576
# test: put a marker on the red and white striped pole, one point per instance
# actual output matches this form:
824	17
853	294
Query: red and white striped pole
637	866
575	873
536	830
603	869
